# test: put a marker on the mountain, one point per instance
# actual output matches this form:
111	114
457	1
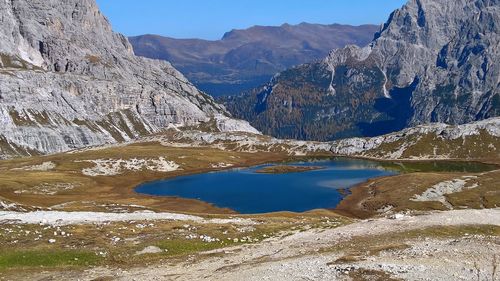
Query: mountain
68	81
433	61
244	59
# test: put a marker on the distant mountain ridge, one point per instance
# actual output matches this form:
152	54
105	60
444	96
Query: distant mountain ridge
433	61
244	59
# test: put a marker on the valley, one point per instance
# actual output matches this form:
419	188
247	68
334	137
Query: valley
374	161
244	59
93	184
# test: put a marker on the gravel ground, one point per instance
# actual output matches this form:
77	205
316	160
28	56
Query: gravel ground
298	256
59	218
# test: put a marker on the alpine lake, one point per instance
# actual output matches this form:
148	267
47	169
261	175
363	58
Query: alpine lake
292	186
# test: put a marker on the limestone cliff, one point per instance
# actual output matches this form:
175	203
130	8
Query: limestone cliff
68	81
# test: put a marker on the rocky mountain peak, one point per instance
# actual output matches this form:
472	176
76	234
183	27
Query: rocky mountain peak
421	29
52	33
432	61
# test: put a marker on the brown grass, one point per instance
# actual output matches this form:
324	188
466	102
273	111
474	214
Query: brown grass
119	189
397	191
371	275
481	146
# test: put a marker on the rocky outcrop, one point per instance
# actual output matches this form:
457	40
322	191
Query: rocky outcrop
477	140
240	142
68	81
433	61
227	124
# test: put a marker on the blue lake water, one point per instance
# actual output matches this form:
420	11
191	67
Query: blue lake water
248	192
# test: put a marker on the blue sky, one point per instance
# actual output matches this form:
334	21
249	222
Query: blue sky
210	19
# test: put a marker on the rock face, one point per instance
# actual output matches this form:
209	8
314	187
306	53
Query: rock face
68	81
433	61
244	59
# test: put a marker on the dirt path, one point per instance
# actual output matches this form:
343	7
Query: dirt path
298	256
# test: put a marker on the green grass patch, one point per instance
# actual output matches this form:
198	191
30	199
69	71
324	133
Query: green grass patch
186	247
47	258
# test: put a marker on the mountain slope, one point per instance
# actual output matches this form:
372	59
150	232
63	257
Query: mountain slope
247	58
476	140
433	61
67	81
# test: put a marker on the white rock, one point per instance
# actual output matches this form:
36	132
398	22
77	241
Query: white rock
150	250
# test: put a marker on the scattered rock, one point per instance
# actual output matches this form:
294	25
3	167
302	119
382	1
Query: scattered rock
150	250
397	216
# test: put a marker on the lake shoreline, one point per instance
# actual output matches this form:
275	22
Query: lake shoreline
348	193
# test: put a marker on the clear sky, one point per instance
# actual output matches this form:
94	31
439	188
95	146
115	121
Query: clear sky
210	19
